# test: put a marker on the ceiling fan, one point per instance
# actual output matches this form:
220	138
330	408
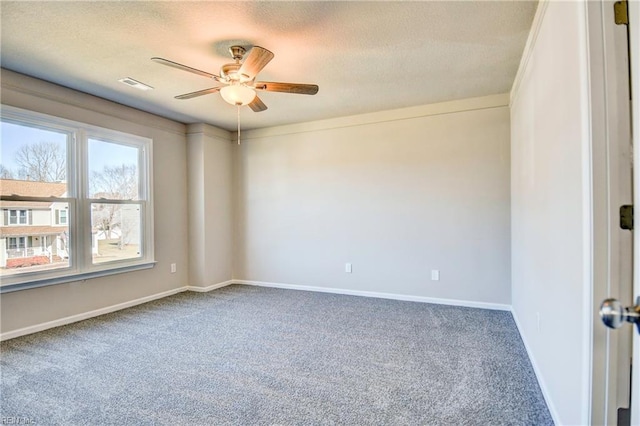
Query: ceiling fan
238	79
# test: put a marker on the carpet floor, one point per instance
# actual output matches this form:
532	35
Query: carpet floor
246	355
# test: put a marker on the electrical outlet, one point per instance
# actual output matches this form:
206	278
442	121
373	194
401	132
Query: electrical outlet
173	268
435	275
347	268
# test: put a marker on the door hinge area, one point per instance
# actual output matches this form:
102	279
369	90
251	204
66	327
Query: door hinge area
626	217
621	13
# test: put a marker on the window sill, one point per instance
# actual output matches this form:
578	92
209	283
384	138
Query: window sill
74	277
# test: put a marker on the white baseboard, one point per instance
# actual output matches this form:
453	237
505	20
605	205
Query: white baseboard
86	315
394	296
543	386
209	288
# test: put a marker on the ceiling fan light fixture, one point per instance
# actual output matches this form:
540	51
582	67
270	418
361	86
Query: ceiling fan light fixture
237	94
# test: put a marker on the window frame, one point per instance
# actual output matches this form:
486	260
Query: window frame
23	216
20	243
59	216
78	212
17	216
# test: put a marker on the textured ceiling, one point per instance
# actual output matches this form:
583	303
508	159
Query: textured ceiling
365	56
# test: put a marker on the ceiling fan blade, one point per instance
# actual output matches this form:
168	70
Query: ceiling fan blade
257	105
198	93
184	68
301	89
257	59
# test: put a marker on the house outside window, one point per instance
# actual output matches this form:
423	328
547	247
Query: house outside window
87	213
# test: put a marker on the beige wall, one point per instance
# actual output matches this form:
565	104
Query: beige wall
31	307
395	193
210	205
550	187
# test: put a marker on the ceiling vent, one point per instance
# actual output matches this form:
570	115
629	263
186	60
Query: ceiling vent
135	83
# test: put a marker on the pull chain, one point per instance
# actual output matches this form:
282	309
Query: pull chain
238	124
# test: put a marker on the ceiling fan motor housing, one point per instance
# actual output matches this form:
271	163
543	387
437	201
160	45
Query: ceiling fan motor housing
237	52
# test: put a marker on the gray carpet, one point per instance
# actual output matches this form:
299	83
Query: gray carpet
257	356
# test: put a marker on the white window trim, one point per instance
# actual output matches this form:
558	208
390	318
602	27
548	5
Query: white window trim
81	266
21	243
58	215
63	217
18	216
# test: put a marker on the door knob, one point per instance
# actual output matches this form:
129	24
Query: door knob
613	314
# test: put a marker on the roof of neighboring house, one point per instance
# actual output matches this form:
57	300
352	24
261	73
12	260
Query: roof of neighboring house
21	231
33	205
29	188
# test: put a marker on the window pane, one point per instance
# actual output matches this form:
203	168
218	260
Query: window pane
38	243
115	230
62	217
33	161
113	170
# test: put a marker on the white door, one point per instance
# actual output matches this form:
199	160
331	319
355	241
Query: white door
634	53
615	313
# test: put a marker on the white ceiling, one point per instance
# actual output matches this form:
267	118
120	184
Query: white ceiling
365	56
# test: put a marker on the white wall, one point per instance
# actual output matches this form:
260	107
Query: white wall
41	217
27	308
210	205
395	193
550	207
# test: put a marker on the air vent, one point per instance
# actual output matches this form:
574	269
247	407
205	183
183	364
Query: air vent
135	83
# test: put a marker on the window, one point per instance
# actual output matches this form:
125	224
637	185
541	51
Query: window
16	243
114	180
82	195
17	217
61	217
